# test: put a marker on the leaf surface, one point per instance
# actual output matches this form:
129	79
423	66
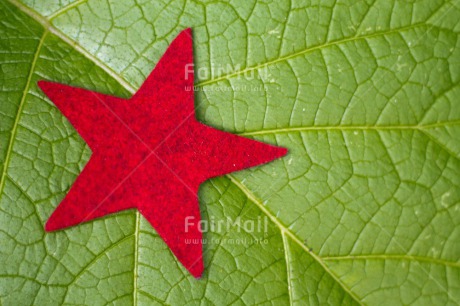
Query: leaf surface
364	210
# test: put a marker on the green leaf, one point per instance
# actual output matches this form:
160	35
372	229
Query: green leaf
365	209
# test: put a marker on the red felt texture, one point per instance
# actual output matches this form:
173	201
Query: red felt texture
150	153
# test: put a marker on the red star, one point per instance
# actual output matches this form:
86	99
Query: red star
150	153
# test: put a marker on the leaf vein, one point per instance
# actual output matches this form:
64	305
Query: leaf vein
349	128
288	268
18	115
284	229
309	50
394	257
